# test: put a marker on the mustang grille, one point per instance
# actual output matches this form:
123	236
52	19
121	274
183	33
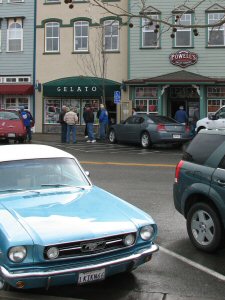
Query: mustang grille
89	247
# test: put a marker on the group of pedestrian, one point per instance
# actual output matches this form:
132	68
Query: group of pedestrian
69	119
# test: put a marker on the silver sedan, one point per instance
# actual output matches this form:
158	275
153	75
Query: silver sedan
149	129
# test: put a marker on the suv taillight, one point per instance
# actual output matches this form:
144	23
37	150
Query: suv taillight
177	172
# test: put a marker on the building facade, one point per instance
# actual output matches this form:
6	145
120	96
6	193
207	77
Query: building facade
81	58
184	66
17	53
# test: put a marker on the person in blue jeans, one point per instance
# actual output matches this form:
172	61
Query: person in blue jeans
27	120
103	122
89	120
71	119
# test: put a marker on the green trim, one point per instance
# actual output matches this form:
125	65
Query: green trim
72	21
51	53
192	34
203	103
43	22
160	99
80	52
115	18
128	46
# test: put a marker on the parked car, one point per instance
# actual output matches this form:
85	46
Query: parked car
213	121
12	126
18	108
149	129
57	228
199	189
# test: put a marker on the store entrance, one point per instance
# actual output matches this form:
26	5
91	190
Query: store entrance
183	96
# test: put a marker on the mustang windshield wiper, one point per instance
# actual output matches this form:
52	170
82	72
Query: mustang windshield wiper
61	185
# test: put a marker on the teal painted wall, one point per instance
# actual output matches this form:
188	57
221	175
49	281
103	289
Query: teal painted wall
18	63
155	62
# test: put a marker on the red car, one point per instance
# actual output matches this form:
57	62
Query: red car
12	126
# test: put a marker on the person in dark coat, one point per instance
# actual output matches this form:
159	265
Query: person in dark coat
181	116
63	124
89	120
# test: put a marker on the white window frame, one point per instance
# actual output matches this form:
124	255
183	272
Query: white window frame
114	35
15	32
82	37
186	19
213	18
146	28
52	25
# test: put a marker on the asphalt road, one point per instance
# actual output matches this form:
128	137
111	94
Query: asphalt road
145	179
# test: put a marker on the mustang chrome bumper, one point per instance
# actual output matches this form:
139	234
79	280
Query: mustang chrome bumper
131	258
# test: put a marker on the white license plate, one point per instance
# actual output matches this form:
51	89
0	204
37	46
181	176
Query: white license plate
176	136
91	276
11	135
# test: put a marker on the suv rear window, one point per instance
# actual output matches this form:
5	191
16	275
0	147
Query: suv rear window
202	146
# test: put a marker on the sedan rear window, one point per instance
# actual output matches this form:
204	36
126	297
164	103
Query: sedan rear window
162	119
202	146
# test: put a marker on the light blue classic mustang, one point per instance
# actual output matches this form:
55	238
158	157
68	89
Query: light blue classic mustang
57	228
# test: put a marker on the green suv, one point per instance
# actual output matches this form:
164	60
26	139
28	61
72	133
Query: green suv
199	189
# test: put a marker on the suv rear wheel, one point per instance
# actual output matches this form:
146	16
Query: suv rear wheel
204	227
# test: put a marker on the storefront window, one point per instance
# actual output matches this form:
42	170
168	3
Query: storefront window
73	103
52	109
95	106
148	105
143	92
214	105
216	92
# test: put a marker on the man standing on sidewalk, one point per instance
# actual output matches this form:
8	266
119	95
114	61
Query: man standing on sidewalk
89	120
103	122
71	119
63	124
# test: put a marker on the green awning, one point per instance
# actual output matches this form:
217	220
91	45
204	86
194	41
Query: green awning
80	87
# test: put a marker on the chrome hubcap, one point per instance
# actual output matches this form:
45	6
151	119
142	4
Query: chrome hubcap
145	140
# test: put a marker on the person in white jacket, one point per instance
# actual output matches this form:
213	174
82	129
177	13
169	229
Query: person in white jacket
71	119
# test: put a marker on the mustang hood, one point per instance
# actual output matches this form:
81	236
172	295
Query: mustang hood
64	215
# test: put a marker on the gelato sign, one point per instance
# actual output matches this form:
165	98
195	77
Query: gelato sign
183	58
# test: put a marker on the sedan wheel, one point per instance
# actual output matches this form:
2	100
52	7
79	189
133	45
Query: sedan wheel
145	140
112	136
204	227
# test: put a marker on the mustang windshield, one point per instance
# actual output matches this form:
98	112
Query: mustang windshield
40	174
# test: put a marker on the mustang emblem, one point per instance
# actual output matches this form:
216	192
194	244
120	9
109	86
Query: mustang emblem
92	246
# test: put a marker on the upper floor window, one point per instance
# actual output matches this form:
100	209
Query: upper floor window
150	34
111	35
81	29
52	37
216	34
183	35
15	35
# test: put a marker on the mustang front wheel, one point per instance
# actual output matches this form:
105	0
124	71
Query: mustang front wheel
4	286
145	140
204	227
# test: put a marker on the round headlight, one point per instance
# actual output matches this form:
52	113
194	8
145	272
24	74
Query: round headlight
52	253
129	239
17	254
147	232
